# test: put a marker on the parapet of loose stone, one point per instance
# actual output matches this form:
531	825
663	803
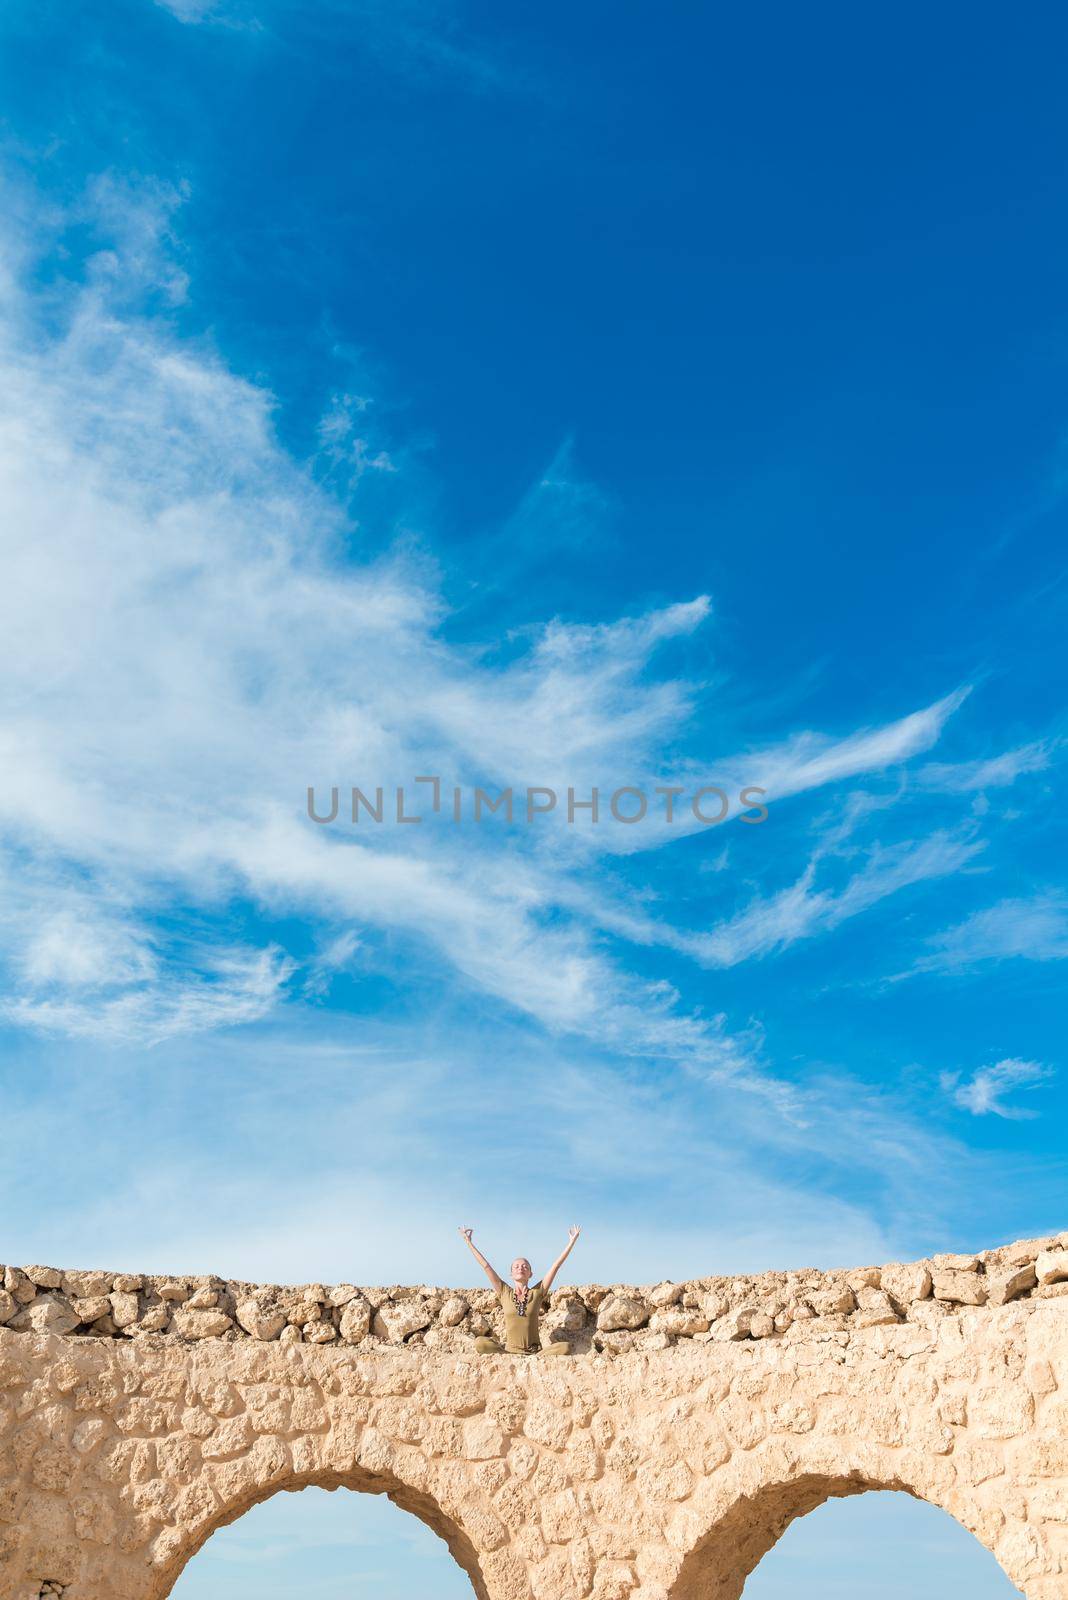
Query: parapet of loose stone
790	1306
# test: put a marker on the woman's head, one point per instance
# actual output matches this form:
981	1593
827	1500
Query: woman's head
521	1270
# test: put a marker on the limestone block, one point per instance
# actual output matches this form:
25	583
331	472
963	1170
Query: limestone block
711	1304
1025	1250
319	1332
301	1312
481	1440
832	1299
679	1321
154	1320
45	1277
735	1325
200	1324
124	1309
86	1285
621	1311
665	1294
90	1307
905	1282
874	1309
1010	1284
960	1285
1052	1266
260	1321
48	1313
864	1278
397	1321
355	1320
17	1283
453	1310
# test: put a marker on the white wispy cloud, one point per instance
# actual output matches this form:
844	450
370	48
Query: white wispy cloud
232	986
983	1093
1027	929
188	643
188	10
803	910
992	772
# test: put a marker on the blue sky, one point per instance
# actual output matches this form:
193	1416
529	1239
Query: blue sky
616	397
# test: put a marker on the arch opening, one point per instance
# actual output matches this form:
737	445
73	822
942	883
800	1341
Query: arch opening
879	1545
303	1536
726	1561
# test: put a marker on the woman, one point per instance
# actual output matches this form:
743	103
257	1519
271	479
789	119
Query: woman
522	1302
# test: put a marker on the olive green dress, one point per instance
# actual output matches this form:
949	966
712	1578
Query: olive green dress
521	1327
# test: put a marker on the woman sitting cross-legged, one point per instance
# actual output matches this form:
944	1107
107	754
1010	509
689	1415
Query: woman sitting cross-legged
522	1302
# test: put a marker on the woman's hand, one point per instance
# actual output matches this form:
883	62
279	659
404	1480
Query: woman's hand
573	1234
467	1232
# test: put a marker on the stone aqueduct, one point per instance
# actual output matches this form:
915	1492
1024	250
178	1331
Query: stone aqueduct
694	1423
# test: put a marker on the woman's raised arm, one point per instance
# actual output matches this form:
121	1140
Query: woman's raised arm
494	1278
546	1282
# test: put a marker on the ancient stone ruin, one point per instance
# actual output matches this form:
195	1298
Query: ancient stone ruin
693	1424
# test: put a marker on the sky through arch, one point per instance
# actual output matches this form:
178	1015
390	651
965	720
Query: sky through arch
878	1546
341	1542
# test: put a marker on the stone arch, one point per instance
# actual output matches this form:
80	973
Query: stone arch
752	1522
357	1479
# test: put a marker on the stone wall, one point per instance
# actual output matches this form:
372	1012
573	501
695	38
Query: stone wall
787	1306
139	1415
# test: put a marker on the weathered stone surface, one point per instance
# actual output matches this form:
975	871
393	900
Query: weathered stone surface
355	1320
961	1286
200	1324
735	1325
955	1263
665	1294
1006	1286
453	1311
86	1285
124	1309
679	1321
622	1311
319	1332
832	1299
47	1313
262	1322
90	1307
399	1320
17	1283
155	1319
44	1277
712	1310
1052	1266
905	1282
659	1474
